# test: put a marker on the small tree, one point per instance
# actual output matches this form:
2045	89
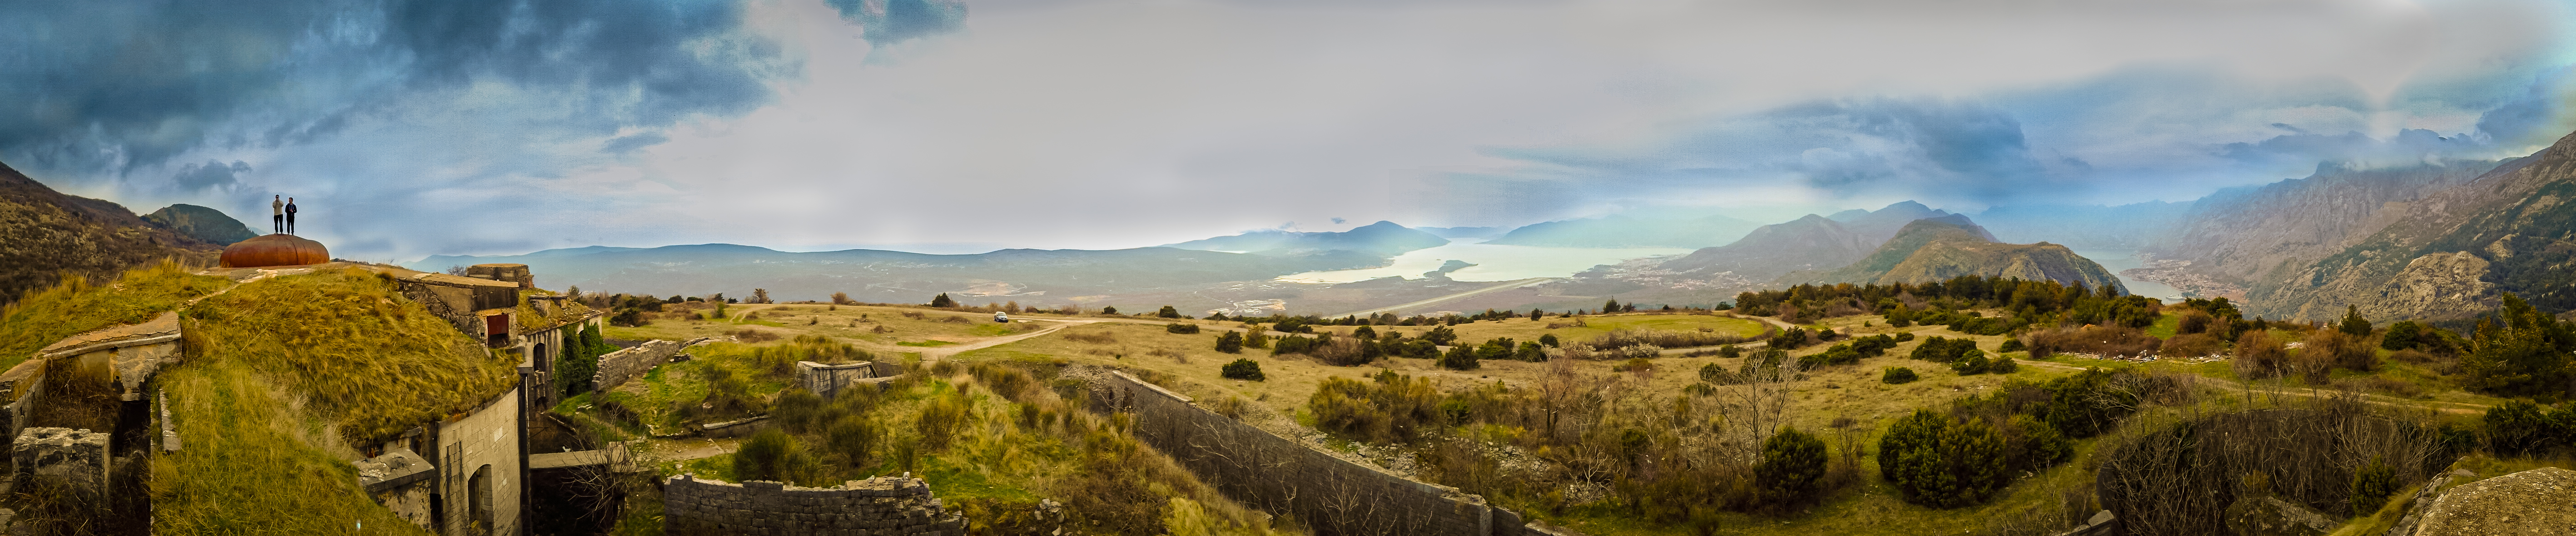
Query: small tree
942	301
1792	461
1939	461
1242	369
841	298
1231	342
760	295
1167	312
1441	335
2353	323
1547	340
1610	306
1536	314
1111	310
2372	485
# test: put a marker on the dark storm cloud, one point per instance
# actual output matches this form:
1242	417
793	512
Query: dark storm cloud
109	87
1842	146
199	177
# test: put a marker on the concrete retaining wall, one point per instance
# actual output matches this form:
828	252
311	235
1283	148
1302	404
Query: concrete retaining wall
622	366
876	506
1334	496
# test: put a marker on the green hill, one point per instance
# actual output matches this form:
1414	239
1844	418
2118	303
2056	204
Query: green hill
201	223
1936	249
44	233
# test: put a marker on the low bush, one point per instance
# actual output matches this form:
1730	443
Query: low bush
2193	345
1898	375
1243	369
1940	461
2097	341
1231	342
2002	365
1459	358
1792	461
2011	345
2372	484
1181	329
1944	350
1389	408
769	455
2259	356
2519	427
1715	374
1972	363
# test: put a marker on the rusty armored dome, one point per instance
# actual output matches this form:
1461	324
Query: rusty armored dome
275	250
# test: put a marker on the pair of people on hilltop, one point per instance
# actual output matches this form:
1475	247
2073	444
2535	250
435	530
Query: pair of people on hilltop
282	214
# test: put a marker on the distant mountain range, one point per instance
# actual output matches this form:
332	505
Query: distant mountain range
2448	251
1809	243
1060	276
44	233
1383	238
1620	231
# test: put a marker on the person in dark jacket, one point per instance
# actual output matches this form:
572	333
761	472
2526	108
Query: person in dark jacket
290	215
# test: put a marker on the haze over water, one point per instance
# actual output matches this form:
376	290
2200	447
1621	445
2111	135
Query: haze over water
1493	262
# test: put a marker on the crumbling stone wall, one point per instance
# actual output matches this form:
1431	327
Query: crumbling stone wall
876	506
1334	496
74	459
457	298
827	380
622	366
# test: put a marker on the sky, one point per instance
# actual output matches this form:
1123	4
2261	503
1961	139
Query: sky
412	128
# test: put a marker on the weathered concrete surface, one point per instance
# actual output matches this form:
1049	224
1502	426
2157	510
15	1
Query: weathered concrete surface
619	457
74	459
2538	501
2271	516
400	480
136	351
827	380
876	506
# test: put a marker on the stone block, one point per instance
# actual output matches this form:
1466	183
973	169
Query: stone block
2271	516
74	459
2538	501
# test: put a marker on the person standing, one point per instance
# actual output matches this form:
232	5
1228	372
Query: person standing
276	215
290	215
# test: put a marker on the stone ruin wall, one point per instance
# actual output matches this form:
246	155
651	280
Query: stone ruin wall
617	368
877	506
1334	496
827	380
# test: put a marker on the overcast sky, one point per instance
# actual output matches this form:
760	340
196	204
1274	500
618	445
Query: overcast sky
495	127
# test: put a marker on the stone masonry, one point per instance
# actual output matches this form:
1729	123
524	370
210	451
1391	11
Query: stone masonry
1335	497
617	368
886	506
75	459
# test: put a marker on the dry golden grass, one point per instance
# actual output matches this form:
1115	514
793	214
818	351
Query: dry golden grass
75	306
254	464
352	351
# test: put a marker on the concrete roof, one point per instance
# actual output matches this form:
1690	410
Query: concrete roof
458	281
159	329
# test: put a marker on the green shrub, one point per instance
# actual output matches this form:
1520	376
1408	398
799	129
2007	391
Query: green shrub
1167	312
1715	374
2011	345
764	456
1970	363
1903	337
796	410
1898	375
1938	461
939	420
2002	365
2372	484
1181	329
1792	462
1548	340
2522	427
1840	354
1243	369
853	438
2034	445
1231	342
1459	358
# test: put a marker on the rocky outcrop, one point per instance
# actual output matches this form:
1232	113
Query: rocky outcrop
2271	516
2244	234
2515	217
2444	282
2538	501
